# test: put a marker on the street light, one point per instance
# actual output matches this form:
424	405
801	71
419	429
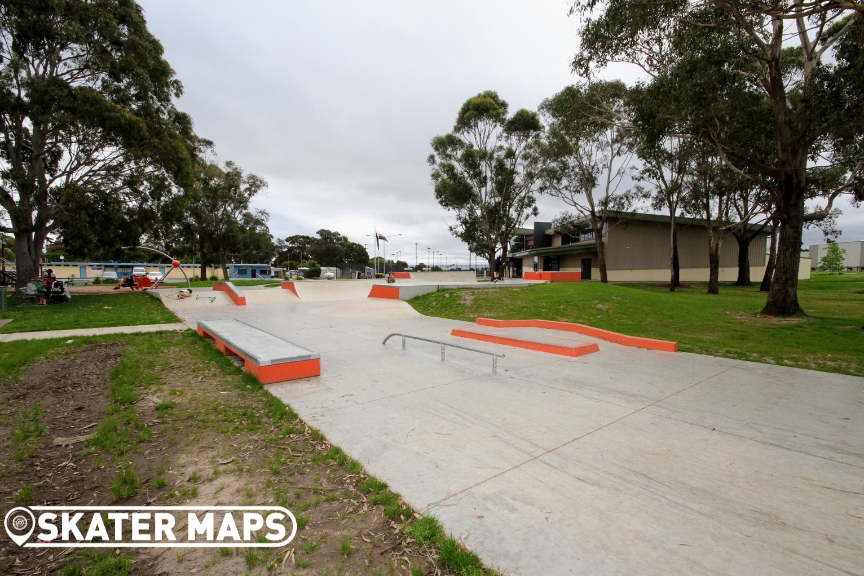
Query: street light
416	261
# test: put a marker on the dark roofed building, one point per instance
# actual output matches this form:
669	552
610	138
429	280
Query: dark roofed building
637	250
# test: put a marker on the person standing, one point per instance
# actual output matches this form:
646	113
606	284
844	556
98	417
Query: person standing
497	271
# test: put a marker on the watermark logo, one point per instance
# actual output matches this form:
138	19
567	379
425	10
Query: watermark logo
150	526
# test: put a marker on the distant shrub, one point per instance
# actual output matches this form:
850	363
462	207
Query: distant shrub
97	280
314	269
195	278
379	275
214	278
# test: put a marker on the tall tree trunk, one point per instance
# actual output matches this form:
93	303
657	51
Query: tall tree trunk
202	254
676	262
672	253
772	259
714	268
783	294
223	260
26	260
598	226
744	239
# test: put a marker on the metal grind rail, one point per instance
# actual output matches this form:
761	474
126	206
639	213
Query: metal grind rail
443	344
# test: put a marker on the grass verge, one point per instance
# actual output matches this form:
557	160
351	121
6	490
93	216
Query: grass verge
96	311
830	337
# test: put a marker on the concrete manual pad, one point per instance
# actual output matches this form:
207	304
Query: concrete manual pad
541	340
630	461
256	345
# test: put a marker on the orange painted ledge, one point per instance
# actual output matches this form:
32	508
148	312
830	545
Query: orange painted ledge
390	292
401	274
274	372
553	276
232	293
571	350
634	341
286	371
289	285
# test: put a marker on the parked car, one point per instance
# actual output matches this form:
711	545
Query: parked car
109	276
139	271
154	276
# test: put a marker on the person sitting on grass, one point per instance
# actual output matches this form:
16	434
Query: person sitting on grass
34	289
126	282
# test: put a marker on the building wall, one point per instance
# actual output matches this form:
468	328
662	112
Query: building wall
854	254
661	275
95	269
641	245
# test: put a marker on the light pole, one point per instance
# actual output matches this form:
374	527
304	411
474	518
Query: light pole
385	250
416	261
428	258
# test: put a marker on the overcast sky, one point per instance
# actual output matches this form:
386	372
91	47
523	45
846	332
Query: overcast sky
334	103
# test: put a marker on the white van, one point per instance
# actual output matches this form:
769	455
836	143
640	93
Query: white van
139	271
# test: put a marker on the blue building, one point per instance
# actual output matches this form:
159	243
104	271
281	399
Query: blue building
249	271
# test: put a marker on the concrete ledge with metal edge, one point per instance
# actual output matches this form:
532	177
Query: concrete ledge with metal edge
443	345
402	292
269	358
232	291
517	338
623	339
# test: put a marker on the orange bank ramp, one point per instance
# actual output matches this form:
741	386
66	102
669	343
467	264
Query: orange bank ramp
609	336
530	340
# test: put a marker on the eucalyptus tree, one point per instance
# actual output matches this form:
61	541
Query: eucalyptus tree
794	56
218	219
666	156
85	107
710	188
753	209
585	153
481	173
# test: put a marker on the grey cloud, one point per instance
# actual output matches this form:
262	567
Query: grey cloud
334	103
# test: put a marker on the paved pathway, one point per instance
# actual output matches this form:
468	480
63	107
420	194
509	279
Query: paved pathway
90	332
626	461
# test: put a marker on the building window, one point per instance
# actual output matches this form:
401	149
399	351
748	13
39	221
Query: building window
569	238
242	271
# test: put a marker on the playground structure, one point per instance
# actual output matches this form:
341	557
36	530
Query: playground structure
174	264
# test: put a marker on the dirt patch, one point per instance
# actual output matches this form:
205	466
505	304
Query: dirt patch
203	435
466	297
46	416
771	319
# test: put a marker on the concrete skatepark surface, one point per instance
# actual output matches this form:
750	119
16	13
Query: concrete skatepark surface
625	461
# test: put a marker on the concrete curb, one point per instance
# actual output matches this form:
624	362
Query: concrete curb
45	335
623	339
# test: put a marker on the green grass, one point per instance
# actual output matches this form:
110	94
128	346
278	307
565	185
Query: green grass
829	337
97	311
99	562
125	483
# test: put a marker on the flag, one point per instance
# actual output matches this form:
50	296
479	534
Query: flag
379	236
